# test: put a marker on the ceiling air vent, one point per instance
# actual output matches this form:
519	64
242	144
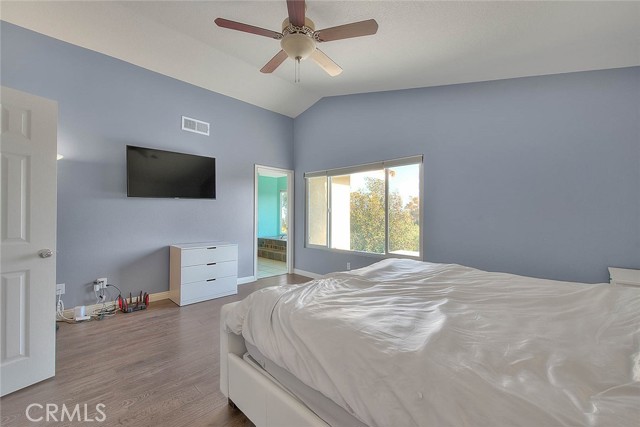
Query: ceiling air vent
196	126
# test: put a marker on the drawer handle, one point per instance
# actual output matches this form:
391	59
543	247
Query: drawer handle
212	263
212	247
210	280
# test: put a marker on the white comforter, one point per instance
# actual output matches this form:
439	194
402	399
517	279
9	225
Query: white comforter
403	343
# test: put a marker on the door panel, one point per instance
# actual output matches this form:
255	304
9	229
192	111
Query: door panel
15	309
15	190
28	142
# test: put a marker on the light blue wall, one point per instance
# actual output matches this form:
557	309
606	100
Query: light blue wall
267	206
537	176
105	104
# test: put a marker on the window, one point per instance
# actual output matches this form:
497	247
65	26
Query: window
284	203
317	211
404	210
374	208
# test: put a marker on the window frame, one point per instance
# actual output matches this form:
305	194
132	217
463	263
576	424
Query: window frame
306	214
282	193
385	166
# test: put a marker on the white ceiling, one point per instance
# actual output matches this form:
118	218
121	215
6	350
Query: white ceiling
418	44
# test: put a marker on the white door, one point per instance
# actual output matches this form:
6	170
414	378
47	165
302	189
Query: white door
28	142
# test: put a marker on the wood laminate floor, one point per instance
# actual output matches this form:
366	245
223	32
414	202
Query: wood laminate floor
159	367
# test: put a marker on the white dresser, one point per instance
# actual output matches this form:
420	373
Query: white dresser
202	271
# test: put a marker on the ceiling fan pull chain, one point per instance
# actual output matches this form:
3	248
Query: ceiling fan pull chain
297	70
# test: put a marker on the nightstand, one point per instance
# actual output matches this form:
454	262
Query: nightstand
624	276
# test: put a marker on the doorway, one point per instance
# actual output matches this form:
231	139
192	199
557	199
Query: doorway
273	227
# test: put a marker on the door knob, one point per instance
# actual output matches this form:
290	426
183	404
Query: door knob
45	253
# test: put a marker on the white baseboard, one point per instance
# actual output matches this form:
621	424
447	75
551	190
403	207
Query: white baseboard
307	273
247	279
158	296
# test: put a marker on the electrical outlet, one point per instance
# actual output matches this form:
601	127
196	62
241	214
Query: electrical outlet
101	283
60	289
348	266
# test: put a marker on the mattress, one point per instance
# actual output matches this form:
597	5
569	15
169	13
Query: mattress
411	343
317	402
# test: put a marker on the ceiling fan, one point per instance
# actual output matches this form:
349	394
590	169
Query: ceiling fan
299	38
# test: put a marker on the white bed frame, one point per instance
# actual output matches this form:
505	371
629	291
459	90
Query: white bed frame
253	391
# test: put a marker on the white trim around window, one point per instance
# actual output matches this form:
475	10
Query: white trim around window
334	234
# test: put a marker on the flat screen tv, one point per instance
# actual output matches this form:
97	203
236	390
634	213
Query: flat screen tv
167	174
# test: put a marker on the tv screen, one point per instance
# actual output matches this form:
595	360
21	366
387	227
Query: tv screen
166	174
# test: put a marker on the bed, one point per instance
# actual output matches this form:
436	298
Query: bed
410	343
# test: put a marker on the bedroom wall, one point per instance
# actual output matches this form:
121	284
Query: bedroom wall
105	104
537	176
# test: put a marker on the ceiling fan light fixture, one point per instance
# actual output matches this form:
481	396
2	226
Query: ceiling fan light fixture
298	45
299	38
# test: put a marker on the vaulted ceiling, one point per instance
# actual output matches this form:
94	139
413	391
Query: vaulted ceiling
418	44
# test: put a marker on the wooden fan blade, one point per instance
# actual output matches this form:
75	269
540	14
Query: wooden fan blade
326	63
274	62
296	12
246	28
347	31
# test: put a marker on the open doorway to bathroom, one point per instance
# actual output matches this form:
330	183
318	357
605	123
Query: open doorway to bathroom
273	221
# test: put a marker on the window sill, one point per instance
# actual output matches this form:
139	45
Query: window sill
363	254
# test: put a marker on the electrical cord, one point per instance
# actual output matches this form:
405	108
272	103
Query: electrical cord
105	311
114	286
98	314
60	317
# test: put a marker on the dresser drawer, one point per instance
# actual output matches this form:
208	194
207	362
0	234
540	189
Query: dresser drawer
197	273
204	290
208	255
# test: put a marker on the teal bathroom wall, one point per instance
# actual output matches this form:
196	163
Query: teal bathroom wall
269	205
